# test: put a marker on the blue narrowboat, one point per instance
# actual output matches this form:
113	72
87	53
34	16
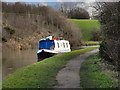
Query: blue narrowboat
49	47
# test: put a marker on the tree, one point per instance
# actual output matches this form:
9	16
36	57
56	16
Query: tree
78	13
71	11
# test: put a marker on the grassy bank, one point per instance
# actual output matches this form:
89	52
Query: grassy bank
87	26
95	74
89	43
41	74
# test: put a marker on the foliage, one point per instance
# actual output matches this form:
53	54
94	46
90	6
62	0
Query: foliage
76	13
95	74
103	50
96	35
87	27
41	74
111	32
9	30
4	39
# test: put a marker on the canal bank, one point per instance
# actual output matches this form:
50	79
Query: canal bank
41	74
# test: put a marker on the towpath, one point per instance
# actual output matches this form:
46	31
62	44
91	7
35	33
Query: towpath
69	77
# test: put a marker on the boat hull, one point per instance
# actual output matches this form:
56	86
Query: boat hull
42	55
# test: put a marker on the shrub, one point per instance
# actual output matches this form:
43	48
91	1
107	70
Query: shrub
109	48
12	32
78	13
103	49
9	30
96	35
4	39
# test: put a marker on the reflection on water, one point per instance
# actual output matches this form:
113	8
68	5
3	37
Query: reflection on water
13	60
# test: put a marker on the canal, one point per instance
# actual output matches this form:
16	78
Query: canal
13	60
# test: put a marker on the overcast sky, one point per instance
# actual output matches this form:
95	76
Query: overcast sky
61	0
49	0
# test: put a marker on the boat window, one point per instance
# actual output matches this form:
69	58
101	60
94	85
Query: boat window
67	45
58	45
61	44
64	45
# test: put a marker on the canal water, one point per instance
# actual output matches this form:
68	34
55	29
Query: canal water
13	60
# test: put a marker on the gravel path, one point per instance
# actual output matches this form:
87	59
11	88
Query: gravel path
69	77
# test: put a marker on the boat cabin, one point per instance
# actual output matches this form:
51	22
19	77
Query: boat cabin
50	47
57	46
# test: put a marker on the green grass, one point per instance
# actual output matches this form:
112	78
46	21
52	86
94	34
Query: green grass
41	74
92	42
93	75
86	27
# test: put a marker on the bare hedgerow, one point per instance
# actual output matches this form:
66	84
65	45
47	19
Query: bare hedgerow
109	48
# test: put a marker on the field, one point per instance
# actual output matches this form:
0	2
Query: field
86	27
41	74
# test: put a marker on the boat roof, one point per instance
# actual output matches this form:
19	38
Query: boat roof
54	40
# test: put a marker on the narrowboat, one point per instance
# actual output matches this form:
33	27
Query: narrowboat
51	46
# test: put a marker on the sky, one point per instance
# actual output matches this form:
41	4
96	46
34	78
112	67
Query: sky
61	0
48	0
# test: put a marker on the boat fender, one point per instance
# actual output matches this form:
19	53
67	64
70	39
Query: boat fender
42	50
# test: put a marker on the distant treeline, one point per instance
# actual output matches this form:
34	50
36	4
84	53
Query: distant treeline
23	8
73	13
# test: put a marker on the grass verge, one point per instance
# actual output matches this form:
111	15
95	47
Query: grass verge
89	43
41	74
93	74
86	27
92	42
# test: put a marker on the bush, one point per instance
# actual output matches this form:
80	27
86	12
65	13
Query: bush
78	13
96	35
103	49
109	49
12	32
9	30
4	39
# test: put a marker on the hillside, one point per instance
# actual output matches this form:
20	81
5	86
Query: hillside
24	25
87	26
